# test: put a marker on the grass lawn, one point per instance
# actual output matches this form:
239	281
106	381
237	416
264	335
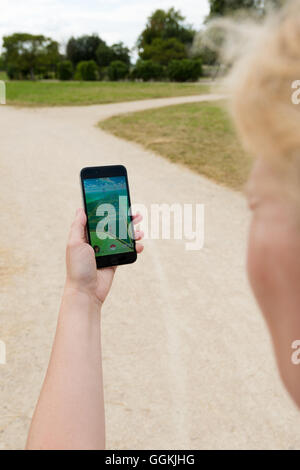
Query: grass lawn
54	93
198	135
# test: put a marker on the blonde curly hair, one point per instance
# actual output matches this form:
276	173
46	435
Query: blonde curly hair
264	58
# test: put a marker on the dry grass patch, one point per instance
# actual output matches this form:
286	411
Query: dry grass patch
198	135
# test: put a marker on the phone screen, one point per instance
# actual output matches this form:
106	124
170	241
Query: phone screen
109	220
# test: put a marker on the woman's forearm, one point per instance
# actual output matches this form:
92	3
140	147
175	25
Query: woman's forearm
70	410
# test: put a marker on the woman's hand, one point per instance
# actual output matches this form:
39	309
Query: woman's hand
82	272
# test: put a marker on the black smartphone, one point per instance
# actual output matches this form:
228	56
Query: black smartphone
108	208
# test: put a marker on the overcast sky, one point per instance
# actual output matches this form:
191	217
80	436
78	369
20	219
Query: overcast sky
113	20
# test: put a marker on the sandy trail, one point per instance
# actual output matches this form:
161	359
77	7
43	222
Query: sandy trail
187	359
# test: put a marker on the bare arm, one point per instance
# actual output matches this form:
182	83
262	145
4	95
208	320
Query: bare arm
70	410
274	268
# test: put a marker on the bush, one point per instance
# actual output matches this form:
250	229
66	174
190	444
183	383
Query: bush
117	70
103	73
163	50
65	70
184	70
13	72
2	63
147	70
86	70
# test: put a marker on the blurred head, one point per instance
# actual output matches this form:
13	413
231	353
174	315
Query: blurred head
264	60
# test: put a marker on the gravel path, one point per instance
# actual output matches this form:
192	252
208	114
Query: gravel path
187	358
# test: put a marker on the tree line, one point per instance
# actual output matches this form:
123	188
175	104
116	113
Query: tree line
164	50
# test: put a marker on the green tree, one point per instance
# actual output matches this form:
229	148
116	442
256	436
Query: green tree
226	7
147	70
208	42
117	70
65	70
117	52
165	25
121	52
83	48
27	55
86	70
164	50
104	55
49	59
186	70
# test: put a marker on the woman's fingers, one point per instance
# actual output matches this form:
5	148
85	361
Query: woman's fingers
78	229
137	218
138	235
139	248
77	232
